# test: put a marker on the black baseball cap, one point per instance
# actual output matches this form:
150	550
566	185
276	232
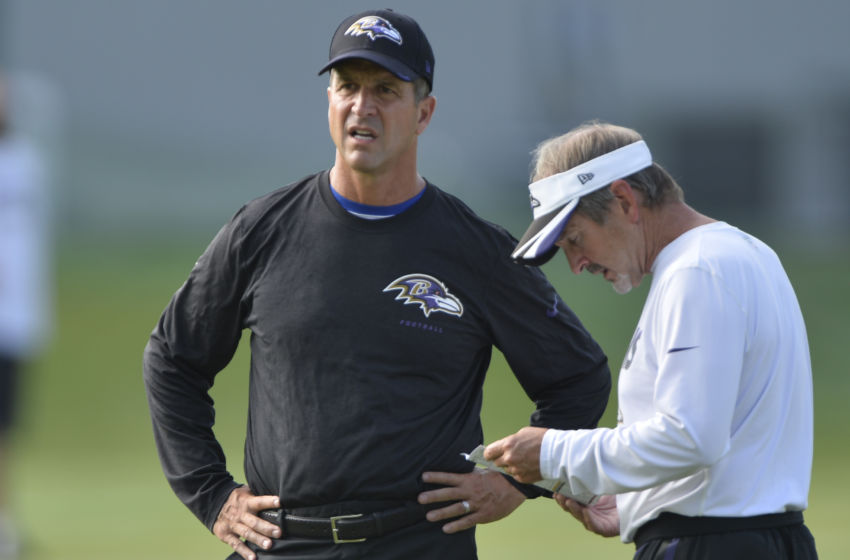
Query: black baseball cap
385	37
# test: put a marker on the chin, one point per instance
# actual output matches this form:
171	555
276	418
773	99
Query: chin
623	284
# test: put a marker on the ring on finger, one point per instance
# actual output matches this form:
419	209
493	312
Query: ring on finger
466	507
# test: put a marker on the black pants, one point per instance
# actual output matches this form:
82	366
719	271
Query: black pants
8	390
786	542
423	540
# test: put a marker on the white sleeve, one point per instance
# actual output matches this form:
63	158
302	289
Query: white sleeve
698	344
24	294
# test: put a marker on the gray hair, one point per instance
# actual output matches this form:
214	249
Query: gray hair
592	140
421	89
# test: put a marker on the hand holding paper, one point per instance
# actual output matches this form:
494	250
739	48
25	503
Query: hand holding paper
518	455
477	456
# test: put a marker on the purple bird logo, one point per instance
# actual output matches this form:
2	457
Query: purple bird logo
427	292
374	27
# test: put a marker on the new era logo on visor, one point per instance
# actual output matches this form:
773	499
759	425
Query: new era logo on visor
375	27
585	177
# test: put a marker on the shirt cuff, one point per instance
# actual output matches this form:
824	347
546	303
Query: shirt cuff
530	491
551	451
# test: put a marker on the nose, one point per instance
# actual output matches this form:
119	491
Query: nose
577	261
363	103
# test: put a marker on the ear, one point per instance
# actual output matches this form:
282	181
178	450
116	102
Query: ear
626	199
426	111
329	105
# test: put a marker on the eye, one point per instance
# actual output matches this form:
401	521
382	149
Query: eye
387	89
572	240
344	84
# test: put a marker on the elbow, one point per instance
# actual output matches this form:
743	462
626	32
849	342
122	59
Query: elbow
710	454
151	358
693	447
705	450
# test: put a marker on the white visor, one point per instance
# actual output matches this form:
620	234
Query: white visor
554	198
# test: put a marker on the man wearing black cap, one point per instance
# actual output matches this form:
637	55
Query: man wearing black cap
374	300
712	454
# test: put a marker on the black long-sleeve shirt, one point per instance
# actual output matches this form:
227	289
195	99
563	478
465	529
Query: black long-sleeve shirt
370	341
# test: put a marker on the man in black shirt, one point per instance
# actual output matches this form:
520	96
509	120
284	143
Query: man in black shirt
374	300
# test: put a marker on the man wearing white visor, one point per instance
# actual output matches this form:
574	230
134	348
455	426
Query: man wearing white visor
712	454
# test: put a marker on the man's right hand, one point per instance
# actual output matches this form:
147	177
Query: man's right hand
601	518
238	520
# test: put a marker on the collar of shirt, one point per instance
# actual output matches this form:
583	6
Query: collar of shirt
370	212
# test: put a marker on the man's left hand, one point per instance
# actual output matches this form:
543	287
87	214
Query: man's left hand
480	496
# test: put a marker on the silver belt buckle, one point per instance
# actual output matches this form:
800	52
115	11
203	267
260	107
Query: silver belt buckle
335	529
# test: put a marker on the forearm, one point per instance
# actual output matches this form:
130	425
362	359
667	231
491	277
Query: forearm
624	459
182	416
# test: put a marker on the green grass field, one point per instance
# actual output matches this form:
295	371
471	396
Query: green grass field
87	483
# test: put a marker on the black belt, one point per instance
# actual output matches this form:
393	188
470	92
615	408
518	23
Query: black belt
345	528
669	525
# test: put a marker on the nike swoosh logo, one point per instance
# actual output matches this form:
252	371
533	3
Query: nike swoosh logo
554	310
682	349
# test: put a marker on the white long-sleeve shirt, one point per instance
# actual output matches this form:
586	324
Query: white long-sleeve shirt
24	291
715	392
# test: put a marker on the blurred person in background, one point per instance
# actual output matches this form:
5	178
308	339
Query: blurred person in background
374	300
23	286
712	454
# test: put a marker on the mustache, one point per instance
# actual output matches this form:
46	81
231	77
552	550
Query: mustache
594	268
